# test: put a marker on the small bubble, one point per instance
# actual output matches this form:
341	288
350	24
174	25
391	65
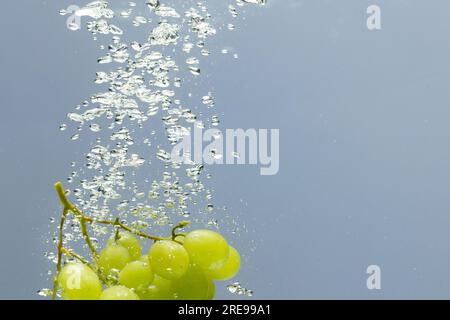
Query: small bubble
45	292
95	127
237	288
215	121
192	60
195	71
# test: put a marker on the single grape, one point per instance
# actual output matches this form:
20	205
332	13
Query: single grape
230	269
207	249
130	242
160	289
118	293
115	257
168	259
194	285
79	282
136	275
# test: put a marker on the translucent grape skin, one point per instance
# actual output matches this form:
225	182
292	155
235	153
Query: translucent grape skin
118	293
79	282
211	291
160	289
168	259
143	258
130	242
230	269
194	285
114	256
136	275
207	249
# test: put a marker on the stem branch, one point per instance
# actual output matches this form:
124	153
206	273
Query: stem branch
68	207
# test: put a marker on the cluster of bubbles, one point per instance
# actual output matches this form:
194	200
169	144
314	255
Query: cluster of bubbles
145	84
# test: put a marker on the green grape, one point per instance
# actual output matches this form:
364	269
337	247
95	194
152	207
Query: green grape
207	249
79	282
168	259
136	274
129	241
118	293
160	289
230	269
143	259
194	285
115	257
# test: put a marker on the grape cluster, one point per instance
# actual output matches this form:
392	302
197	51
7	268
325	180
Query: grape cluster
181	268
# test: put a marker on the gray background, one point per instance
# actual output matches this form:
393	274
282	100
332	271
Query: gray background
364	118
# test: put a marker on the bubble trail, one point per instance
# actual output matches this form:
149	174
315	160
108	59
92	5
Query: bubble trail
145	103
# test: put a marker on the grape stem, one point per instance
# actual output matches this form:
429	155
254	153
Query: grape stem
119	224
83	219
60	249
181	225
76	256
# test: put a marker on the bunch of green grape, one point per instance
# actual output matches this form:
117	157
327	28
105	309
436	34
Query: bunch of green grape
184	268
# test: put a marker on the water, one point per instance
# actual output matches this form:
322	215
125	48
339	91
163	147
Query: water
139	101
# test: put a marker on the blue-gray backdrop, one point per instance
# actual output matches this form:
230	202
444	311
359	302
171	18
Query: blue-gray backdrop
364	163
